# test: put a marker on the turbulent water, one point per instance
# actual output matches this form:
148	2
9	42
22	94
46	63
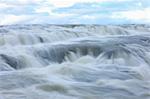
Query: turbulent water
75	62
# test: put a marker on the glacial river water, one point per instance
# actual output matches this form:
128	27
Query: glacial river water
75	62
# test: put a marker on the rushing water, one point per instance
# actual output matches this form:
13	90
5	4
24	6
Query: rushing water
74	62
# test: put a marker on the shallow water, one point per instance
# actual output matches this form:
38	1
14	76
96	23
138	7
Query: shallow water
74	62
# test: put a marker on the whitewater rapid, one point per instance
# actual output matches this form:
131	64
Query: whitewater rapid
75	62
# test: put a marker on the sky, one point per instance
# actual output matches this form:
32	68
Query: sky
74	12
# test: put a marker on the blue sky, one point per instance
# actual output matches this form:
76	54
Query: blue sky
74	12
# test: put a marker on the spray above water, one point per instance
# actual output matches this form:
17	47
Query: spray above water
74	62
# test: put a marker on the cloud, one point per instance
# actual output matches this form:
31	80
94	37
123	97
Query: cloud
21	2
135	15
4	5
68	3
74	11
13	19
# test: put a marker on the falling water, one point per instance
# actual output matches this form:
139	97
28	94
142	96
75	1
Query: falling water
74	62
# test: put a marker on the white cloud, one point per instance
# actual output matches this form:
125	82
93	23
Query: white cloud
3	6
67	3
136	15
13	19
50	11
56	3
21	2
44	9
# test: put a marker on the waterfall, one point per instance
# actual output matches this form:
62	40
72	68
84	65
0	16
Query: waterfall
74	61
